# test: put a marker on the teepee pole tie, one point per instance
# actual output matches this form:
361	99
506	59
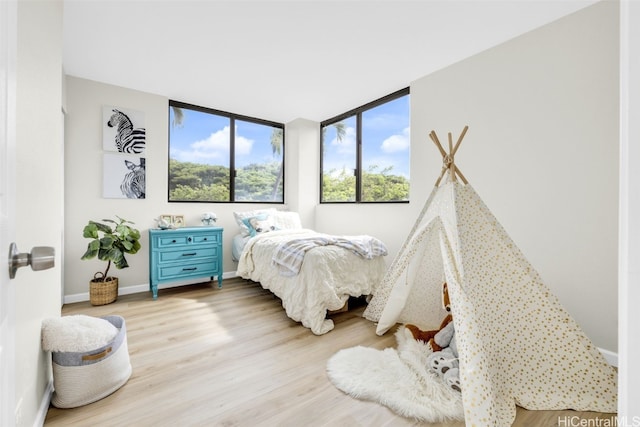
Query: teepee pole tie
448	159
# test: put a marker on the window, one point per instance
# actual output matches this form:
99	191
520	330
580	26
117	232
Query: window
203	152
365	153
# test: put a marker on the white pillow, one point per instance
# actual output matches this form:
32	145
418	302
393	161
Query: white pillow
241	216
287	220
261	224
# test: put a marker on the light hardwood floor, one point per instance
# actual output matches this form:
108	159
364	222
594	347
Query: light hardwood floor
204	356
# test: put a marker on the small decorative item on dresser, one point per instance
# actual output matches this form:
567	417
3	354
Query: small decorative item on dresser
209	218
109	244
164	222
178	221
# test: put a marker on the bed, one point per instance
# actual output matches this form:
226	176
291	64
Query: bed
332	268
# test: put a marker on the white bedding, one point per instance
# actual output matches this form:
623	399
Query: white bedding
237	244
328	276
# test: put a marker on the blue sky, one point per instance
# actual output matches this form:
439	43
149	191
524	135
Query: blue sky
385	136
204	138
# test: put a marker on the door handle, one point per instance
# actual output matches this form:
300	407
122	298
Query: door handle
40	258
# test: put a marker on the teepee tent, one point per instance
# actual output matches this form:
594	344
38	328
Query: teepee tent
517	345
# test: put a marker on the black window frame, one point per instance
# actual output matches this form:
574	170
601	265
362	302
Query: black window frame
357	112
232	169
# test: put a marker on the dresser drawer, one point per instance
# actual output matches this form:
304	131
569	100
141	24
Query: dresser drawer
173	240
187	255
201	268
206	238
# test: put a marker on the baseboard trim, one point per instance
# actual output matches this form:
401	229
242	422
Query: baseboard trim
44	406
126	290
610	356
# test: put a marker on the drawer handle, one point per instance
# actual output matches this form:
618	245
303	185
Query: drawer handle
189	239
173	241
205	239
189	269
191	254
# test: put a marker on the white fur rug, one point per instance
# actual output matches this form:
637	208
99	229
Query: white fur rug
398	379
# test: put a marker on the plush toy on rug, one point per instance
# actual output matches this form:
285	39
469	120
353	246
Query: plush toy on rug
429	337
442	341
445	362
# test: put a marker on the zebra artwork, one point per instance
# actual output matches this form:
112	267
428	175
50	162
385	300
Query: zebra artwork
124	145
127	138
133	184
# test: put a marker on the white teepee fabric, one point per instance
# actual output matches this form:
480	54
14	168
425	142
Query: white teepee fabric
517	344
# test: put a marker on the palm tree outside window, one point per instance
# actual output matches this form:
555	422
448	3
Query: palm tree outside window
215	156
365	153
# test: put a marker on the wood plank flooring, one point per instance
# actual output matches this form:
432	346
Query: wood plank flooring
204	356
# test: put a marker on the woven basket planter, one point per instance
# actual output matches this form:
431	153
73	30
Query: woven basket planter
103	292
85	377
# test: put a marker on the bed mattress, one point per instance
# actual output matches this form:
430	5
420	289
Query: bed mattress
328	276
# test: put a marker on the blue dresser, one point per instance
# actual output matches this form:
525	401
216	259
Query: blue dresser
184	254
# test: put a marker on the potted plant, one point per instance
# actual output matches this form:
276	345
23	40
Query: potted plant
109	243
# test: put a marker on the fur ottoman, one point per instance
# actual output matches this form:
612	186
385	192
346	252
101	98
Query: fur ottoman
90	358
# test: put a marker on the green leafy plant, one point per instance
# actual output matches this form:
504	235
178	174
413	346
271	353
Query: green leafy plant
110	242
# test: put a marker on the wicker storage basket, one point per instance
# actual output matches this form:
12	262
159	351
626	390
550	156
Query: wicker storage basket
103	292
85	377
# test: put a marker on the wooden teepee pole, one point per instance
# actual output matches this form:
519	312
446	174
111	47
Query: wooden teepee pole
448	159
451	164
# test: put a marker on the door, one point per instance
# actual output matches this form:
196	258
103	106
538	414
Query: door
8	19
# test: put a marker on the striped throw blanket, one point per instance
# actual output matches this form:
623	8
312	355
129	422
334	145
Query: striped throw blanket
289	255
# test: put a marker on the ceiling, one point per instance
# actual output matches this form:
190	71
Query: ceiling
282	60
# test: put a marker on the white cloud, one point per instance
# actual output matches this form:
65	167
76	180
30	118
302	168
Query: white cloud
243	146
348	143
397	142
213	149
216	143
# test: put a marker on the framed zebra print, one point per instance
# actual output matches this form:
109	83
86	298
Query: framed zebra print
124	176
123	130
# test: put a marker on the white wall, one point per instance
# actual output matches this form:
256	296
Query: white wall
303	168
629	291
39	191
83	178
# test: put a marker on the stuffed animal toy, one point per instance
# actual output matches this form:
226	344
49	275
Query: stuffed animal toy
442	361
445	338
444	357
452	379
445	362
429	336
